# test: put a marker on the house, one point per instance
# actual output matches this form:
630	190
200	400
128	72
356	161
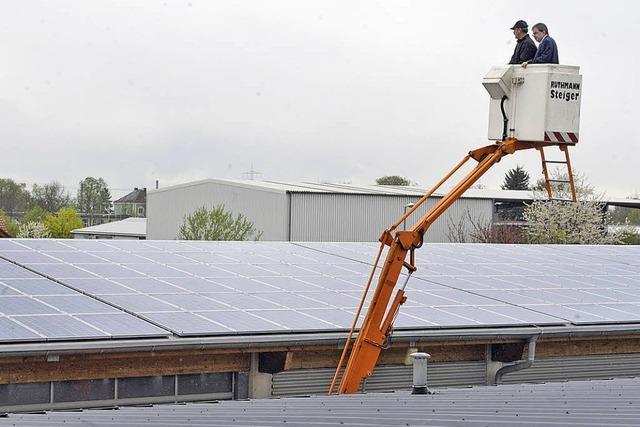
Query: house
133	204
4	232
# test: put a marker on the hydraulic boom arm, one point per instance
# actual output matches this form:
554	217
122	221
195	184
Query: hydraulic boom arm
378	323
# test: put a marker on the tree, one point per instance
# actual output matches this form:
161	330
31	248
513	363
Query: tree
33	230
61	224
626	216
629	237
36	214
14	197
566	222
470	229
217	224
392	180
93	197
558	222
51	197
516	179
12	227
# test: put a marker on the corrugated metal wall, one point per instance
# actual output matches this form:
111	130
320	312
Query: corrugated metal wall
166	208
392	377
363	217
578	368
399	377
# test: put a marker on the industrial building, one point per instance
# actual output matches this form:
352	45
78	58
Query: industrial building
128	228
95	323
311	212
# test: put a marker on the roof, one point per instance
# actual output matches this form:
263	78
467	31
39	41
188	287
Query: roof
578	403
386	190
4	232
230	293
138	195
132	227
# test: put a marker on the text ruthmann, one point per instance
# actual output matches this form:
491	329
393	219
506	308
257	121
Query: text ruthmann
564	94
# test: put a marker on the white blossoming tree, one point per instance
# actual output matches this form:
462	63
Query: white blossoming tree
565	222
33	230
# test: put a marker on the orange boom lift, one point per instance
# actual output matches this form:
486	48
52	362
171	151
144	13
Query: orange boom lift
377	326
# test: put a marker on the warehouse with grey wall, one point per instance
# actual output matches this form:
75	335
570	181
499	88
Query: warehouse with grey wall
266	208
301	212
322	217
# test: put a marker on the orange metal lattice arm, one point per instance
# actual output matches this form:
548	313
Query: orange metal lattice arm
382	311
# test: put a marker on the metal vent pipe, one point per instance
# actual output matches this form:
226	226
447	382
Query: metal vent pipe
420	373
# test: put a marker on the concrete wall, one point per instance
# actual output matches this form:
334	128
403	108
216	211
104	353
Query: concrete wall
166	208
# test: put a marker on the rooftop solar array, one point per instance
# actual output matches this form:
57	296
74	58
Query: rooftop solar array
579	284
217	288
34	308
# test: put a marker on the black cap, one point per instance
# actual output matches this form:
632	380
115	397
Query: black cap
519	24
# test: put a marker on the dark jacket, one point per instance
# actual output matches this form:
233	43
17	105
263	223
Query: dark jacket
547	52
525	50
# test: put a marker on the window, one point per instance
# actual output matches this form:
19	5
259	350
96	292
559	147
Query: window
72	391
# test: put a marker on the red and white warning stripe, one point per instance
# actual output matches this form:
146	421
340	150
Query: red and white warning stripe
568	137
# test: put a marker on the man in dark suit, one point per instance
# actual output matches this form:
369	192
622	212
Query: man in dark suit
525	47
547	49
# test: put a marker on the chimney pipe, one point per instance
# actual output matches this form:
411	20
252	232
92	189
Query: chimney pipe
420	373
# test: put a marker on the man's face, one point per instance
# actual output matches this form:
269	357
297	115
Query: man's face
518	33
538	35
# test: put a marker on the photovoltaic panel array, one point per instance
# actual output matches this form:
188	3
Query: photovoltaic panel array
217	288
33	308
204	288
578	284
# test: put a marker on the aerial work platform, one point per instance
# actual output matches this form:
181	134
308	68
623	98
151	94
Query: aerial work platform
530	108
541	102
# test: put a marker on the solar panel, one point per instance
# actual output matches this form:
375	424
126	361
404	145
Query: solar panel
35	308
295	320
122	325
17	305
242	321
192	302
545	284
183	323
34	286
194	288
341	318
13	331
73	257
60	326
77	304
60	271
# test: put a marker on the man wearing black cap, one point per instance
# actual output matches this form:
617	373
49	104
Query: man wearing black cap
525	47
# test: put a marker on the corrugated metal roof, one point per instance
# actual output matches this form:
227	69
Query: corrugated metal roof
596	403
126	227
389	190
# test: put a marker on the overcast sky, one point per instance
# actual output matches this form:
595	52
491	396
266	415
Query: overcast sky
329	91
